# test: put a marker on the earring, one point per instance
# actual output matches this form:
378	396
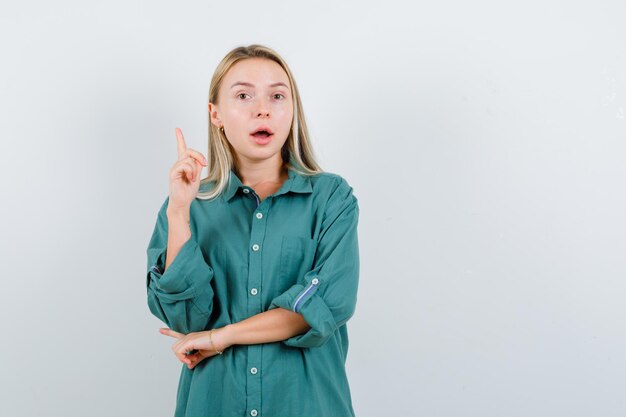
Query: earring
222	129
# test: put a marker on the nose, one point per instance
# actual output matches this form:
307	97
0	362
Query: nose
263	108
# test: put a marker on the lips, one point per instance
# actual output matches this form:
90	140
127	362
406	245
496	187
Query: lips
262	132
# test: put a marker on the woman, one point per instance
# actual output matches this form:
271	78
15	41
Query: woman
255	268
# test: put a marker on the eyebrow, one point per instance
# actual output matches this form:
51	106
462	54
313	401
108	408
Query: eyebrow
252	85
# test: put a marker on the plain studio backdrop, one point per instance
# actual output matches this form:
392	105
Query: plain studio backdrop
485	142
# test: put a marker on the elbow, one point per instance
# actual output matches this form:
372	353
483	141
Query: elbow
182	316
324	321
184	311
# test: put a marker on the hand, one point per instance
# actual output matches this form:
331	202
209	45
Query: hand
185	175
199	343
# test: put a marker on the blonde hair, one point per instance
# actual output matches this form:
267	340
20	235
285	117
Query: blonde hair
297	153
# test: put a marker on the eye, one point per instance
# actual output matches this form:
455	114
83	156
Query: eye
241	94
279	94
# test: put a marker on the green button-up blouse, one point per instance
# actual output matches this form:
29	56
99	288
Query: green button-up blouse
297	249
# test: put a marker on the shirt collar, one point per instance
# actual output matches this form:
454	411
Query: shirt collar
296	183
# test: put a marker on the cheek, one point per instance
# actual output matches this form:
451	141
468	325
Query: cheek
235	120
234	113
284	115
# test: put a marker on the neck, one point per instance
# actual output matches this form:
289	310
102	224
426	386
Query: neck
270	170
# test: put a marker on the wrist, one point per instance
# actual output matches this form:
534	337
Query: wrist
223	337
174	214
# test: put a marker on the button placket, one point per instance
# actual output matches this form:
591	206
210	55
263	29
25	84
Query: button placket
256	245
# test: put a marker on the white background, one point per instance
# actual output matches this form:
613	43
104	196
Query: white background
485	142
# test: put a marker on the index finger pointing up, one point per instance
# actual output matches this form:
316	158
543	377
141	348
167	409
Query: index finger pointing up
182	147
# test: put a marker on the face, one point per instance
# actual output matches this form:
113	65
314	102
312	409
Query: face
255	94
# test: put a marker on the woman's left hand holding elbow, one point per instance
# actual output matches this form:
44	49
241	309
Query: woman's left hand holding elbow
203	345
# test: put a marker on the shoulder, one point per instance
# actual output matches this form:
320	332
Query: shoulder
330	182
334	192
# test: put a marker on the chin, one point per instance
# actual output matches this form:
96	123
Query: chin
262	154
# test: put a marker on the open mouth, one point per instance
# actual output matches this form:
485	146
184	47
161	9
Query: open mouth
264	134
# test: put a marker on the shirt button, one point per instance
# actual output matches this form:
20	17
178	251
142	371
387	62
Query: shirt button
253	371
255	247
259	215
245	190
253	291
253	413
315	281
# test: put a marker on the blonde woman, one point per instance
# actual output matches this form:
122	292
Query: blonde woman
255	268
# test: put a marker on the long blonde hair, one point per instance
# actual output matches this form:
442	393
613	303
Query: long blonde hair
297	153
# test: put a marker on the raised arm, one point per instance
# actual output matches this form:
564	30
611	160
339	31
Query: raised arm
179	277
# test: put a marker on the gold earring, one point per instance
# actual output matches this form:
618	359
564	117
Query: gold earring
222	129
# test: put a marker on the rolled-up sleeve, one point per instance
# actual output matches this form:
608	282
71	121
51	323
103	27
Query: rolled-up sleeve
326	295
182	296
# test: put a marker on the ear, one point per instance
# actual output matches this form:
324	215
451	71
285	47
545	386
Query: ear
214	115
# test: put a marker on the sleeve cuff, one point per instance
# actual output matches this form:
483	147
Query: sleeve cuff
315	312
174	283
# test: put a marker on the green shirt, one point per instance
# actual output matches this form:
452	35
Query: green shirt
297	249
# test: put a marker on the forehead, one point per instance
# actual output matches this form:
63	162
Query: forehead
258	71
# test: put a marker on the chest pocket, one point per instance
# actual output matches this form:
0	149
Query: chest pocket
296	258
